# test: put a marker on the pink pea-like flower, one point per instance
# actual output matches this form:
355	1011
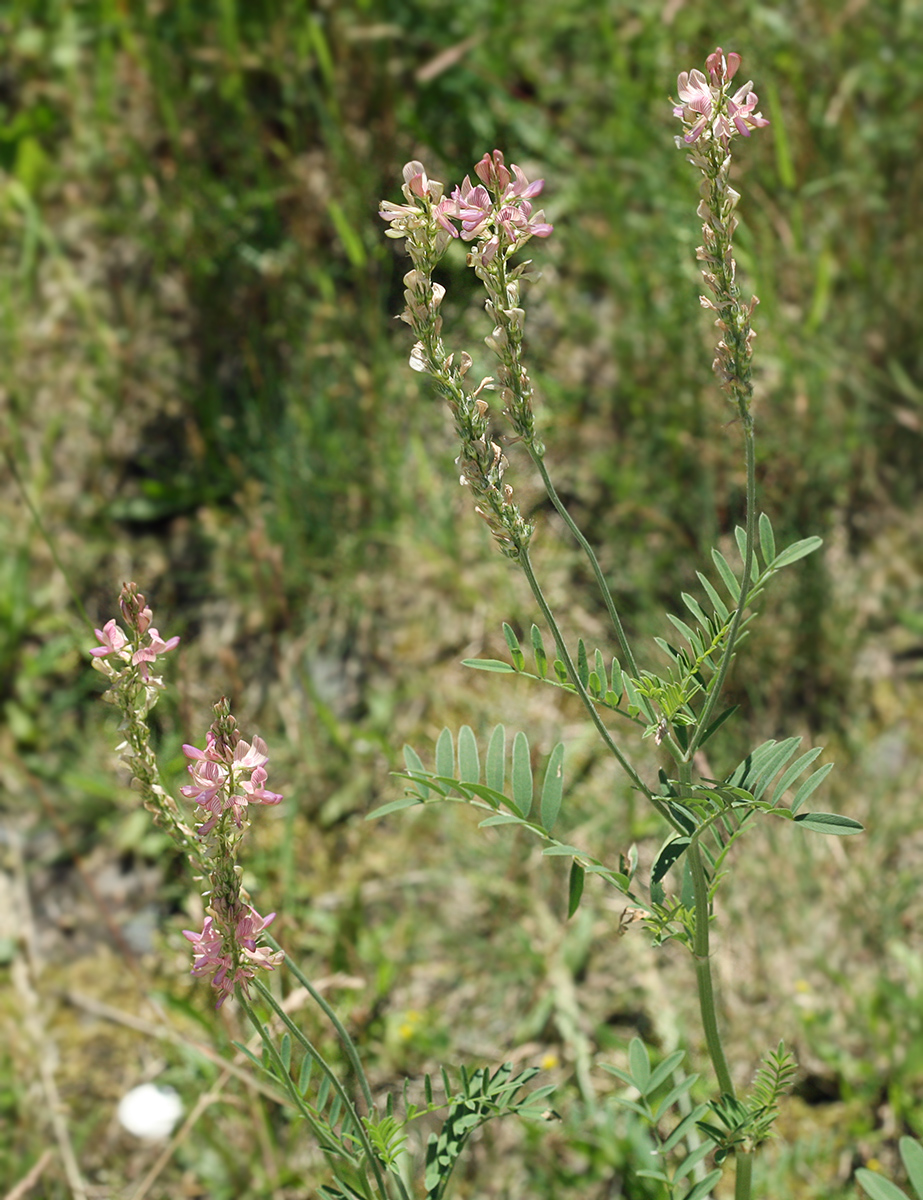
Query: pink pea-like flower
111	639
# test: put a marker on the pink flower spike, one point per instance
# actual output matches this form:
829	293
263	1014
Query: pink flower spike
248	756
111	638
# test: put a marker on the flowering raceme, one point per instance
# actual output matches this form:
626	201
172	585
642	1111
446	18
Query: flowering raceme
707	109
227	777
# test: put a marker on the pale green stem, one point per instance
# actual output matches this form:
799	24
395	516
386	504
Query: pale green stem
565	657
701	952
717	686
337	1086
591	555
743	1183
348	1044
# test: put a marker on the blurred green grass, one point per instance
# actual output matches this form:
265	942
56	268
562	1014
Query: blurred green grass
203	388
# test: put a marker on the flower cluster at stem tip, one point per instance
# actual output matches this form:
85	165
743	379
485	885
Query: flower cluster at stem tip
227	777
496	217
712	117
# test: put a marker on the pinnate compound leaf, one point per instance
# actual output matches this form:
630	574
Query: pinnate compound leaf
445	754
553	787
797	550
489	664
469	764
877	1187
912	1157
835	823
575	888
521	777
495	767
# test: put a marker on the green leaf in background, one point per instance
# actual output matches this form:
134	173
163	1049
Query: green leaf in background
521	776
834	823
877	1187
912	1156
553	787
489	664
575	888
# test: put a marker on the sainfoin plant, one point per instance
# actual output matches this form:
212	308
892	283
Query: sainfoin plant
674	695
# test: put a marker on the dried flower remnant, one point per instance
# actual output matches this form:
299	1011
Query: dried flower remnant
712	116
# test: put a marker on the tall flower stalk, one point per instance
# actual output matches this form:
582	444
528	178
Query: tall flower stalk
495	216
228	776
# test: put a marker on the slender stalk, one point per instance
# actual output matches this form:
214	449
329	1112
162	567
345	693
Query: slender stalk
743	1182
526	564
348	1044
335	1083
717	685
701	952
591	555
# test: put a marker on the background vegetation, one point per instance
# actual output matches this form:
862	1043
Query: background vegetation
203	389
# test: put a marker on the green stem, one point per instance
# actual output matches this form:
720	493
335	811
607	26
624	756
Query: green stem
337	1086
591	555
717	684
743	1182
526	564
701	952
348	1044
